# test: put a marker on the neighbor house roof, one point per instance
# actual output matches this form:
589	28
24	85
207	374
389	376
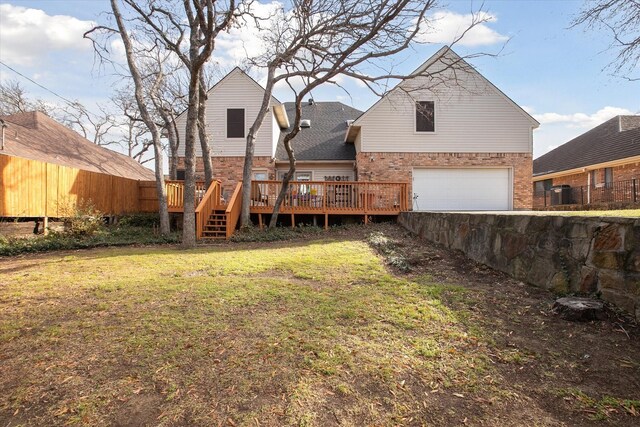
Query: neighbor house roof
615	139
324	140
36	136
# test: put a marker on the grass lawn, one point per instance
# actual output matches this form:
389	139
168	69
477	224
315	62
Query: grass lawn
631	213
306	333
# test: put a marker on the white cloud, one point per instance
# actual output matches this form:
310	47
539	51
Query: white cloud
445	27
582	120
26	35
233	47
556	129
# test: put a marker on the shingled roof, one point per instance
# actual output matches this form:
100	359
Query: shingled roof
324	140
614	139
36	136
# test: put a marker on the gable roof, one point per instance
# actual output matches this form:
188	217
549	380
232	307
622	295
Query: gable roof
237	71
36	136
447	54
324	140
615	139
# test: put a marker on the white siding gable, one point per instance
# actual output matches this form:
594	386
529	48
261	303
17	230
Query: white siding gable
236	90
471	116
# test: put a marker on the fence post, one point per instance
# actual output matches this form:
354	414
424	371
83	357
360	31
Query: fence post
582	194
635	190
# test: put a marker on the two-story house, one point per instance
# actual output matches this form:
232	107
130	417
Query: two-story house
457	140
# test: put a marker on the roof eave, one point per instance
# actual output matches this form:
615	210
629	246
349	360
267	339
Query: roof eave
351	134
581	169
280	113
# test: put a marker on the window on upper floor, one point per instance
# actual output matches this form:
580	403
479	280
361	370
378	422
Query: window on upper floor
180	174
235	123
425	116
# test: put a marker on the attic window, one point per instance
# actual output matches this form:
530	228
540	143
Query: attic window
425	116
235	123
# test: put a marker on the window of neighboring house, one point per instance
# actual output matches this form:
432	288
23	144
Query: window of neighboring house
544	185
608	177
180	173
235	123
425	116
594	178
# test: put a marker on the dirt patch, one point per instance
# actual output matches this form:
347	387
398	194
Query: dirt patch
579	373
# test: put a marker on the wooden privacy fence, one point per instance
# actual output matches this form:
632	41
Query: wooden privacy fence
31	188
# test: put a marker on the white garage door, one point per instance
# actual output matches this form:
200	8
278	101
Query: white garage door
461	189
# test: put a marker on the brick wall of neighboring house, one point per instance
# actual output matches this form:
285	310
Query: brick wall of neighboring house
229	170
620	173
397	167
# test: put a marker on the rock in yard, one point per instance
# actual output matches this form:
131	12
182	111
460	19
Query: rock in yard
579	309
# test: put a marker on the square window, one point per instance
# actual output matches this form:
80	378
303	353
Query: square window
425	116
235	123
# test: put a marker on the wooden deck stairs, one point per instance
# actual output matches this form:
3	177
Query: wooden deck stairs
216	226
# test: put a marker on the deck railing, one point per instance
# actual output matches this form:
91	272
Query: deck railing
175	194
233	210
207	204
346	197
615	192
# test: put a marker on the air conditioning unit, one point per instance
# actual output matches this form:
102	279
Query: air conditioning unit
305	123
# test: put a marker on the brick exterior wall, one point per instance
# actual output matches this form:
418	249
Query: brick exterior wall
229	170
397	167
620	173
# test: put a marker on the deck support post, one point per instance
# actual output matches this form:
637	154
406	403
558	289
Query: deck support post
293	220
45	225
326	221
366	219
260	224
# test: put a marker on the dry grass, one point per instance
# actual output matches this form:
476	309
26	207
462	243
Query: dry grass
305	333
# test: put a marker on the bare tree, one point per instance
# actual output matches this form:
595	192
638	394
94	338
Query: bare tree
190	33
622	19
95	128
14	99
134	134
315	42
145	115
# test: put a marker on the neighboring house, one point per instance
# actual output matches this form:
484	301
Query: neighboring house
606	154
459	142
43	164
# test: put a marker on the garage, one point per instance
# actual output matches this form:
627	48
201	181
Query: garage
468	189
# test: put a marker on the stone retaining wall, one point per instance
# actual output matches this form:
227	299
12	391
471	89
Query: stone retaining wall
563	254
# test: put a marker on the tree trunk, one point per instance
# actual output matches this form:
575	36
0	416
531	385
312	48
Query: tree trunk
148	120
245	214
292	158
174	140
189	221
202	132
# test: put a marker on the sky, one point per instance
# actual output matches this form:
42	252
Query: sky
558	74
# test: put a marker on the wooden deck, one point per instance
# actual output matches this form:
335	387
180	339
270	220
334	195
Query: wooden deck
331	198
303	198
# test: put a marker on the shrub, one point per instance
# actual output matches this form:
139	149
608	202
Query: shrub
80	219
148	220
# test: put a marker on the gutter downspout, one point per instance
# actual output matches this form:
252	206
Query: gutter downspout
4	126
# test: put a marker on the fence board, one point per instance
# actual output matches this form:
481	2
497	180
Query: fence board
30	188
